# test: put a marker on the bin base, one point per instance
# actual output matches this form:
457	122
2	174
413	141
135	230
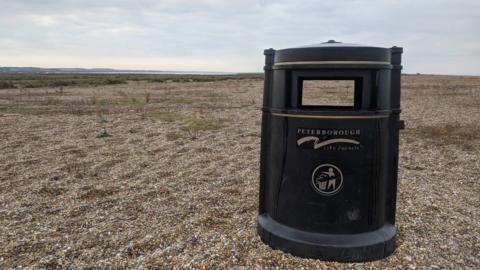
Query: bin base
358	247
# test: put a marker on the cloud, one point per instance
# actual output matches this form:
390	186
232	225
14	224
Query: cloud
438	37
42	20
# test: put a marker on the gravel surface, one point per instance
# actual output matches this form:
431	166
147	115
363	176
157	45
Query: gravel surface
165	175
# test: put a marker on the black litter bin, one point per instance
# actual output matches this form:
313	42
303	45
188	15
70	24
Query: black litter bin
328	177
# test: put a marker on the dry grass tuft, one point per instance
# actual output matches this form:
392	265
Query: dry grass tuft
96	193
465	136
52	191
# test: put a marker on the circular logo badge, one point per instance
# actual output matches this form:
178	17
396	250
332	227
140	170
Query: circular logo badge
327	179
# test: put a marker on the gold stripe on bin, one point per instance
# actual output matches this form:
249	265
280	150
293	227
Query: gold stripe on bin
332	63
329	116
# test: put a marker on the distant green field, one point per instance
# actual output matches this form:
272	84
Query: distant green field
60	80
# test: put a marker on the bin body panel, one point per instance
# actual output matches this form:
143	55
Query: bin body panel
328	177
312	142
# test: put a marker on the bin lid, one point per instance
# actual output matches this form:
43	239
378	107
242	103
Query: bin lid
333	52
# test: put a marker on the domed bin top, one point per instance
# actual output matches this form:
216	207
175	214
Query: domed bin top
333	53
374	71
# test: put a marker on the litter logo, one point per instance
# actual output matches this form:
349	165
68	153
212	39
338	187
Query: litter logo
327	179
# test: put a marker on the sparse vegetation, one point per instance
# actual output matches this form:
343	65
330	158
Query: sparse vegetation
147	98
25	110
182	100
193	124
60	80
6	84
464	136
190	123
132	130
102	119
176	184
165	116
103	134
172	136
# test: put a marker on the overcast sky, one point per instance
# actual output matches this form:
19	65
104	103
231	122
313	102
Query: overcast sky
440	37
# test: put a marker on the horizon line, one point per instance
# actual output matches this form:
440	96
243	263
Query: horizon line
98	70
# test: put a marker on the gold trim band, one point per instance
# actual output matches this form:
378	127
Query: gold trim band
332	63
330	116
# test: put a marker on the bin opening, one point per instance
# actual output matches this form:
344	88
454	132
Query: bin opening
329	92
